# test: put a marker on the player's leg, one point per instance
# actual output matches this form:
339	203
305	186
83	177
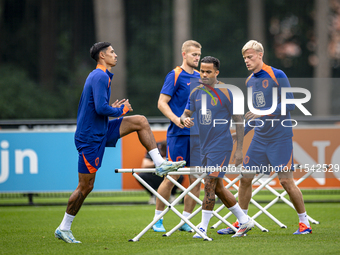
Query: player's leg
189	203
85	186
140	124
74	204
245	190
295	195
174	152
208	203
175	188
193	160
165	191
89	161
280	155
255	157
228	199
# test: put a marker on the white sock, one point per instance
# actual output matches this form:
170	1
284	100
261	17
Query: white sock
157	213
245	211
303	218
67	222
206	215
240	215
156	157
186	214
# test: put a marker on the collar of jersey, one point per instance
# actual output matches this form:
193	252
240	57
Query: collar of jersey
103	68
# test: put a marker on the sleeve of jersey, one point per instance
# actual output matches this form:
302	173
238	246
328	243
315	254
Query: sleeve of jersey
283	82
169	84
101	99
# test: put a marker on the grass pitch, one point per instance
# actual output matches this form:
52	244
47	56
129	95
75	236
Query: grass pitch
106	229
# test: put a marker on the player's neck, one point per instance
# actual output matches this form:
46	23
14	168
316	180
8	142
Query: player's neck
105	65
258	68
212	85
187	68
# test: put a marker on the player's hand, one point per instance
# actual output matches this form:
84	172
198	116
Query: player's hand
234	136
178	122
188	122
117	104
128	105
238	157
251	116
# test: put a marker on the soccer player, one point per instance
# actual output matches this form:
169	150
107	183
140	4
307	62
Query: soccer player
271	146
216	142
182	143
95	132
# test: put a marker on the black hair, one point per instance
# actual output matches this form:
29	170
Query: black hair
213	60
98	47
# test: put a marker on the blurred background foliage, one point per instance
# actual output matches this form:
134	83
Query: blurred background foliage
44	49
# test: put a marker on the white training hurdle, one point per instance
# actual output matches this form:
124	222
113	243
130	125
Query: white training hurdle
262	179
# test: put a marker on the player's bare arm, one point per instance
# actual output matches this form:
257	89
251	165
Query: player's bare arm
185	118
163	106
238	155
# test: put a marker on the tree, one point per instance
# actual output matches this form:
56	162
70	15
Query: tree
47	43
110	27
322	87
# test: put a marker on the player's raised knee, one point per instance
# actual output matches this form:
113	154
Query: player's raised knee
141	120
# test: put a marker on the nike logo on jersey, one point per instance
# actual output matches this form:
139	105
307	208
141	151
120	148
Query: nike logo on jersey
188	83
198	100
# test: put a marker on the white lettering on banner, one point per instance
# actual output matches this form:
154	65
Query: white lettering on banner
336	160
19	161
303	158
321	145
219	122
238	100
20	156
297	101
4	161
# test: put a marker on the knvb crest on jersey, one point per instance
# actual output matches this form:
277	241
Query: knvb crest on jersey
205	119
213	101
259	99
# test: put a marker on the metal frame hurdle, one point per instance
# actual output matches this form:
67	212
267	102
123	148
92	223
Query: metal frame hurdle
265	184
169	206
231	183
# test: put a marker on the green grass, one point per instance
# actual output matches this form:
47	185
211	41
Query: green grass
106	229
143	197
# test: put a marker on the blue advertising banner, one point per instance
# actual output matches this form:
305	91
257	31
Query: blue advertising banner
47	162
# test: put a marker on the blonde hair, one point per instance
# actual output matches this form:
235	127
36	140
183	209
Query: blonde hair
252	44
189	43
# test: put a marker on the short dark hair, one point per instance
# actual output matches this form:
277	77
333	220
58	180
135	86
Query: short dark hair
213	60
98	47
